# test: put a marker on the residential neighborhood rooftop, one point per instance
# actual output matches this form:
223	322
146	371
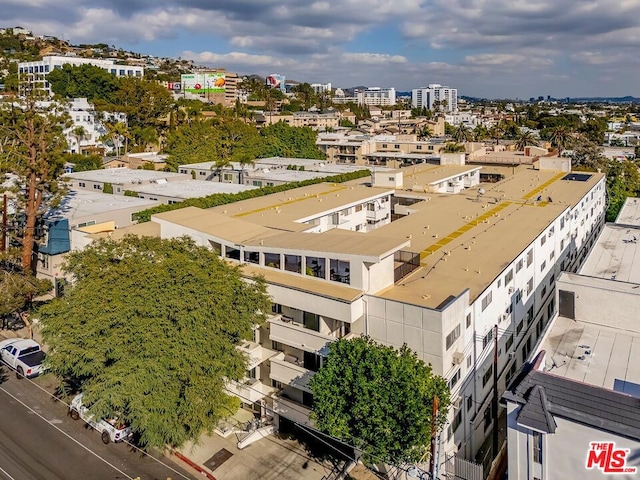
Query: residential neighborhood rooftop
123	175
189	188
630	213
81	203
616	255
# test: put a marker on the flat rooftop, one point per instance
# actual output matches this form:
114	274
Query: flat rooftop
189	188
123	175
630	213
464	240
613	354
429	175
81	203
616	255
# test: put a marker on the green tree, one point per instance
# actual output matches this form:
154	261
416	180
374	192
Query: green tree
378	399
305	93
480	133
83	81
525	139
623	180
17	290
560	138
157	342
462	134
282	140
83	163
31	135
453	148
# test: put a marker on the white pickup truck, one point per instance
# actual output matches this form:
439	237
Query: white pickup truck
111	430
24	356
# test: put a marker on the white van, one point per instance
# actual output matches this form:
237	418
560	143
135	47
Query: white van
111	430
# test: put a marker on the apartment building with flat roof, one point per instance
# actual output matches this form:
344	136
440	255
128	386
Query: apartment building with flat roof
435	271
33	75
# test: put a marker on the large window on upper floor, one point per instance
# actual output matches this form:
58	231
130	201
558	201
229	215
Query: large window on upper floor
232	253
252	257
340	271
293	263
316	267
272	260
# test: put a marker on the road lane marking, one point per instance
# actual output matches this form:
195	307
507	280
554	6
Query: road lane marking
66	434
6	473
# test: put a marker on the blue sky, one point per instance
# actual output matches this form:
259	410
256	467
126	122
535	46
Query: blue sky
488	48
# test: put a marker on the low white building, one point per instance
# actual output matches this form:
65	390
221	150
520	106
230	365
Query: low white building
377	96
180	190
88	128
119	179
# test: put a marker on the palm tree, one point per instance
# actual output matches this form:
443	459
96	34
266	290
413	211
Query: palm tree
480	133
425	132
497	132
560	138
453	148
78	133
462	134
525	139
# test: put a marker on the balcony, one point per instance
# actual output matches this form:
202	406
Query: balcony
292	410
249	391
286	331
377	215
287	369
255	353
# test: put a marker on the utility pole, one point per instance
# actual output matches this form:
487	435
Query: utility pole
434	433
3	246
494	403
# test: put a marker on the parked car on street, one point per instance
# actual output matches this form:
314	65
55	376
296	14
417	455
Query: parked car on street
111	430
22	355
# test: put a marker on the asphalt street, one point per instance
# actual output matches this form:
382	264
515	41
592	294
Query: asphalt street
39	441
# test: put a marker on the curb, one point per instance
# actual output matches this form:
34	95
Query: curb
192	464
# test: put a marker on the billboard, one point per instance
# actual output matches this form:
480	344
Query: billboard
276	81
204	82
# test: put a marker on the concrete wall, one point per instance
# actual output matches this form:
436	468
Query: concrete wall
606	302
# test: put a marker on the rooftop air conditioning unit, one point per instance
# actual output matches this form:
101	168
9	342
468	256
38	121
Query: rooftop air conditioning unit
456	403
457	358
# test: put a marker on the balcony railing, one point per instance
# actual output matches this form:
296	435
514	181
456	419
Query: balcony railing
293	334
292	410
289	373
249	391
256	353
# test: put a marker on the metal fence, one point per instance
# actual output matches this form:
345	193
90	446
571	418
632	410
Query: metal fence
457	468
408	262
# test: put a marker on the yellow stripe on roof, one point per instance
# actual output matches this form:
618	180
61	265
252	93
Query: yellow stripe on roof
463	229
539	189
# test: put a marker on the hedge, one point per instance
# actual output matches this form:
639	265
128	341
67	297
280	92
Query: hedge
225	198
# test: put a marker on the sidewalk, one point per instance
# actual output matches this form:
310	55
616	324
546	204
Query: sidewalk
272	458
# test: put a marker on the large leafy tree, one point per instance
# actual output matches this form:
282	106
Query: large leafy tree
149	329
378	399
86	81
17	290
525	139
31	146
282	140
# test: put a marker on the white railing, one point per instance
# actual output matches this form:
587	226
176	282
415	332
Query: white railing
288	373
293	334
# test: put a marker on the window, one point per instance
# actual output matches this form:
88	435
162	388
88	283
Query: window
487	339
252	257
552	255
543	266
358	208
293	263
97	187
508	277
311	321
469	402
315	267
339	270
530	315
536	440
487	376
469	361
486	301
551	280
457	420
454	379
509	343
544	291
519	327
468	320
272	260
543	240
256	183
519	265
529	257
453	336
530	286
227	177
232	253
487	418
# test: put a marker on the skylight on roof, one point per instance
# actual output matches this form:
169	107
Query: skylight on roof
577	177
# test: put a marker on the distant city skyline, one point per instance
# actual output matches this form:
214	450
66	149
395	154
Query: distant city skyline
484	48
